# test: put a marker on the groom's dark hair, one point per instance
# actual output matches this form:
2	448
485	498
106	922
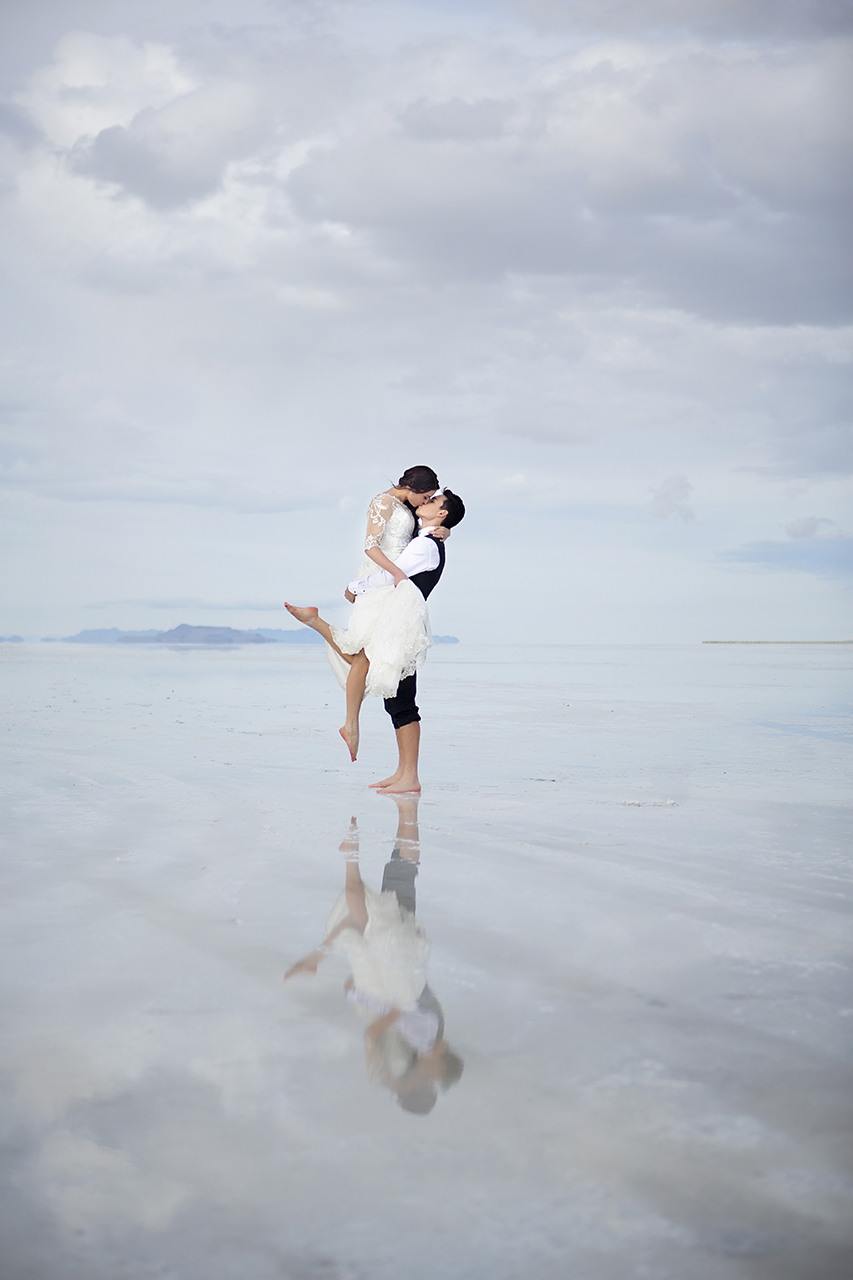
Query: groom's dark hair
454	506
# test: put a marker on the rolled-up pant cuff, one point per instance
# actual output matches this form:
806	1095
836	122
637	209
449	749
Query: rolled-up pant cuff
402	707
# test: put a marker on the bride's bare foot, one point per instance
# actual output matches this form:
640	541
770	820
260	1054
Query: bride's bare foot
397	786
350	737
387	782
349	844
308	614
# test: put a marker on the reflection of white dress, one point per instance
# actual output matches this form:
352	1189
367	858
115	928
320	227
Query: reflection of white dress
388	960
389	971
390	624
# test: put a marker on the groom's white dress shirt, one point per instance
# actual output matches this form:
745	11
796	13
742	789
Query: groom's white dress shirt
419	556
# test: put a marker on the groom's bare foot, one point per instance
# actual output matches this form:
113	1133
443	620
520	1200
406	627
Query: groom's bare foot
350	737
387	782
308	614
406	782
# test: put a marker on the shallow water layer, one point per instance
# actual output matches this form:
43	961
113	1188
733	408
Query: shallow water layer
632	869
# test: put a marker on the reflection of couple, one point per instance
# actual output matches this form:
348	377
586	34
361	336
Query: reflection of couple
388	634
387	950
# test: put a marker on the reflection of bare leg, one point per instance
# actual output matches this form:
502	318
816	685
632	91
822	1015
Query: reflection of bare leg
408	837
356	917
349	844
408	746
356	681
354	890
311	618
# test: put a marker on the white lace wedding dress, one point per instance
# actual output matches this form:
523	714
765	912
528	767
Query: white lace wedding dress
391	624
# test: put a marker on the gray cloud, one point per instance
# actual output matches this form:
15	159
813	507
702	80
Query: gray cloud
827	557
807	526
190	602
117	156
187	490
702	179
456	119
16	124
178	153
720	19
671	498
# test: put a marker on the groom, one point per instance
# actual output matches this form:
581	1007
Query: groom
423	563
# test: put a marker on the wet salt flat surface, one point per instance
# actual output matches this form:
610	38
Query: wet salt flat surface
635	882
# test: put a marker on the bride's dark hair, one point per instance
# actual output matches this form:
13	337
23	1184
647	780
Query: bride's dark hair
418	479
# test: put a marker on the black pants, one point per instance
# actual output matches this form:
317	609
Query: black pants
402	708
399	877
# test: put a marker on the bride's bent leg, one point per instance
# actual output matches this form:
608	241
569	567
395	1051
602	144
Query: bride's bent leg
356	917
356	681
356	904
311	618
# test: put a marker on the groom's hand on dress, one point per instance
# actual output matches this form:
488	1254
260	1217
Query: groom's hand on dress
348	595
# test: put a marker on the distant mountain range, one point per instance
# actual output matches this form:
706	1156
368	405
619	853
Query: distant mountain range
186	634
102	635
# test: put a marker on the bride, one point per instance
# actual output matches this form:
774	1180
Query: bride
388	633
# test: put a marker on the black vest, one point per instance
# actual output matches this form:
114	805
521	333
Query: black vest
427	580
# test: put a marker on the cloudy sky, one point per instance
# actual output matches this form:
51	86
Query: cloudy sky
584	257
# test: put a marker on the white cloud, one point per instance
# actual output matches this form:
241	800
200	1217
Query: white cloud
97	82
84	1181
671	498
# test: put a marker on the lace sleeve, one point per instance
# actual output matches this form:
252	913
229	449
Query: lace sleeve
377	514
